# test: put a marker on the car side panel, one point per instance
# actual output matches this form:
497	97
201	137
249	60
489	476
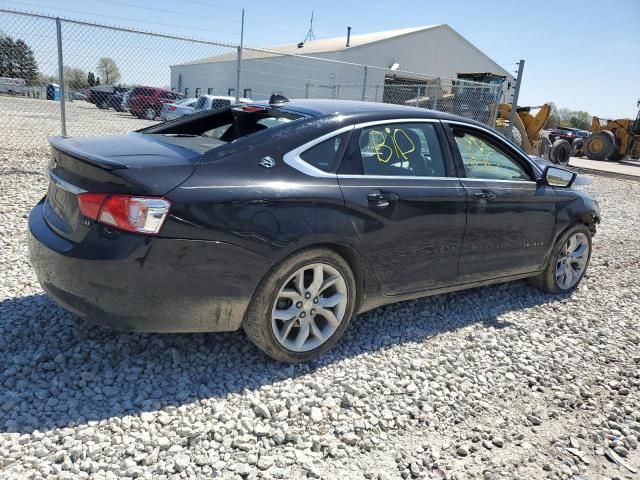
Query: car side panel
509	233
272	211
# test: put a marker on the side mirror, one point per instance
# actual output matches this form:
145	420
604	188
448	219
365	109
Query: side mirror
559	177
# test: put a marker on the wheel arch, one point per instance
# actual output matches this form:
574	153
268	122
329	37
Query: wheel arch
363	275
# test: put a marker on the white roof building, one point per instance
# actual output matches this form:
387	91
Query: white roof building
394	59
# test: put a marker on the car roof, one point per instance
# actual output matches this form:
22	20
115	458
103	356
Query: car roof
320	107
157	89
226	97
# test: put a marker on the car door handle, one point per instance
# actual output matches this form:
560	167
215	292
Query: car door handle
484	195
381	198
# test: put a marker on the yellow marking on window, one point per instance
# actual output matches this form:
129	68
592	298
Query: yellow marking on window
385	152
378	146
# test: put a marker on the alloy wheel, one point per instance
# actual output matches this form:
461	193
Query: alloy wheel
309	307
150	114
572	261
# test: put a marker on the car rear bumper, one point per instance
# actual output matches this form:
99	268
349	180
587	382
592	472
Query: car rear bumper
138	283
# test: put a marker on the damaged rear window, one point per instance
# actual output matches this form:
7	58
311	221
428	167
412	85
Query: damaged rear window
226	124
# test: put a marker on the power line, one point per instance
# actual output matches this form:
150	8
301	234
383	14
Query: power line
119	18
174	12
214	5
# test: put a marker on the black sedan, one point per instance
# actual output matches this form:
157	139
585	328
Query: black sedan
285	218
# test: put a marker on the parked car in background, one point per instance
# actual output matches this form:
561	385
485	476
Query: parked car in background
171	111
125	101
200	104
212	102
101	95
147	102
15	86
567	133
285	218
574	136
77	95
117	101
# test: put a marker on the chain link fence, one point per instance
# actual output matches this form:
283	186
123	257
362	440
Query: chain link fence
77	78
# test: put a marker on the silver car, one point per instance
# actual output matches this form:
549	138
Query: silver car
171	111
200	104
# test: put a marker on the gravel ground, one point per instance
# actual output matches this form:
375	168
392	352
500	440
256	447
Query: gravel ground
494	383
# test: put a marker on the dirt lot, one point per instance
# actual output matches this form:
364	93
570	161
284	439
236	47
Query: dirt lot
30	121
495	383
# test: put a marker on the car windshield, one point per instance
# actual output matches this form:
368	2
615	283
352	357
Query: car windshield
226	124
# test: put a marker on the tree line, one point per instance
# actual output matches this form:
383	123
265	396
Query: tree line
17	60
564	117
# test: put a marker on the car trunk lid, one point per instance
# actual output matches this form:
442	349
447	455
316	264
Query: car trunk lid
134	164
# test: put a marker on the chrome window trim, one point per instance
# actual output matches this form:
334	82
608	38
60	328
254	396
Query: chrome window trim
63	184
396	177
488	180
294	160
498	137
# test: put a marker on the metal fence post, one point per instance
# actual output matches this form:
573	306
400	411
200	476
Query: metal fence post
496	104
306	91
514	103
240	58
63	116
364	83
438	90
418	97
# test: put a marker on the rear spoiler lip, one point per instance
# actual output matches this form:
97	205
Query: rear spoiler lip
58	142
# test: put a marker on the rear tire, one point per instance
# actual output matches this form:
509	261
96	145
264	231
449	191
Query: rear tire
281	294
150	113
600	146
561	260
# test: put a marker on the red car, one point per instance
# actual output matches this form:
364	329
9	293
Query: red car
146	102
569	134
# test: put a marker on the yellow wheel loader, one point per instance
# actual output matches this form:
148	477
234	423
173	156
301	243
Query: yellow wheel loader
613	139
527	131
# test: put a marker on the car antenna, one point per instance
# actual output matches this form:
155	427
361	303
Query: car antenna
278	100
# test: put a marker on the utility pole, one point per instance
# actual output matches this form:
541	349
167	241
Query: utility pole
514	103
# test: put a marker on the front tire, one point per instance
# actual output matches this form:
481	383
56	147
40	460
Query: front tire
567	263
600	145
302	307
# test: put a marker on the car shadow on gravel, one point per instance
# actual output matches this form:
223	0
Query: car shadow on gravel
57	370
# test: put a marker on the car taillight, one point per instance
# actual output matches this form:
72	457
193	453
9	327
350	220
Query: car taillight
171	108
127	212
252	109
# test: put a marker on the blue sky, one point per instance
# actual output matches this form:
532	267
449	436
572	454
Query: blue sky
579	54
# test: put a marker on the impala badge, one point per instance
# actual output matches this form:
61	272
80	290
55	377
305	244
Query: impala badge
267	162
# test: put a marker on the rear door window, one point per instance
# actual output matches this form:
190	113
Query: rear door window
401	150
